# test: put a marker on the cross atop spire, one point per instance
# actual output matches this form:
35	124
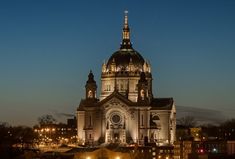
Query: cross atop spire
126	43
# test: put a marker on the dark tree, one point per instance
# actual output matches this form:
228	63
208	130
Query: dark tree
13	140
4	133
24	136
228	124
227	130
46	120
187	122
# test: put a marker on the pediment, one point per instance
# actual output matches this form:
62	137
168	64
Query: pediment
118	97
114	102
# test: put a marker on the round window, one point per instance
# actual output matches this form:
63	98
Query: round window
116	118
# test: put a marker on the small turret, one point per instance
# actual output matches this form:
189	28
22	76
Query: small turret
113	65
146	67
104	67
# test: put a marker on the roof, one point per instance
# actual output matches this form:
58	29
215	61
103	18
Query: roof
87	103
162	104
155	104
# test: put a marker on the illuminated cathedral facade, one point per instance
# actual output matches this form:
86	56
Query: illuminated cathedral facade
126	111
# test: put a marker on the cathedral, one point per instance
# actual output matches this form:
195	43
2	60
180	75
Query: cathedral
126	111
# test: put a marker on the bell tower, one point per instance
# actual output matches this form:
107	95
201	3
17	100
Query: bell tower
144	94
91	87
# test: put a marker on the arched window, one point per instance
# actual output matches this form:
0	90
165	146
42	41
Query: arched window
142	94
154	121
90	94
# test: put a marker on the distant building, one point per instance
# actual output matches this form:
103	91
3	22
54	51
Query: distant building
231	147
190	149
182	149
126	112
60	133
196	133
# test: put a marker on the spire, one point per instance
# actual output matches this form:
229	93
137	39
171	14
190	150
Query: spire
126	30
126	43
90	78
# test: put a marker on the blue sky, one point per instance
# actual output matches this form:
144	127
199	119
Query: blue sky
48	47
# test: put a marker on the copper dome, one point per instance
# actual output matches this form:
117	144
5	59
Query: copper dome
122	58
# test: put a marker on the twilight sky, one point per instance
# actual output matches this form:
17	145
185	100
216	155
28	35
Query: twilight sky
47	48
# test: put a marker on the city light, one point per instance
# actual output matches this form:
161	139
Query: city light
201	150
214	150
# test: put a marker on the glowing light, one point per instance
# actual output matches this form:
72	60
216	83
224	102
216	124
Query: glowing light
88	157
201	150
214	150
117	157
